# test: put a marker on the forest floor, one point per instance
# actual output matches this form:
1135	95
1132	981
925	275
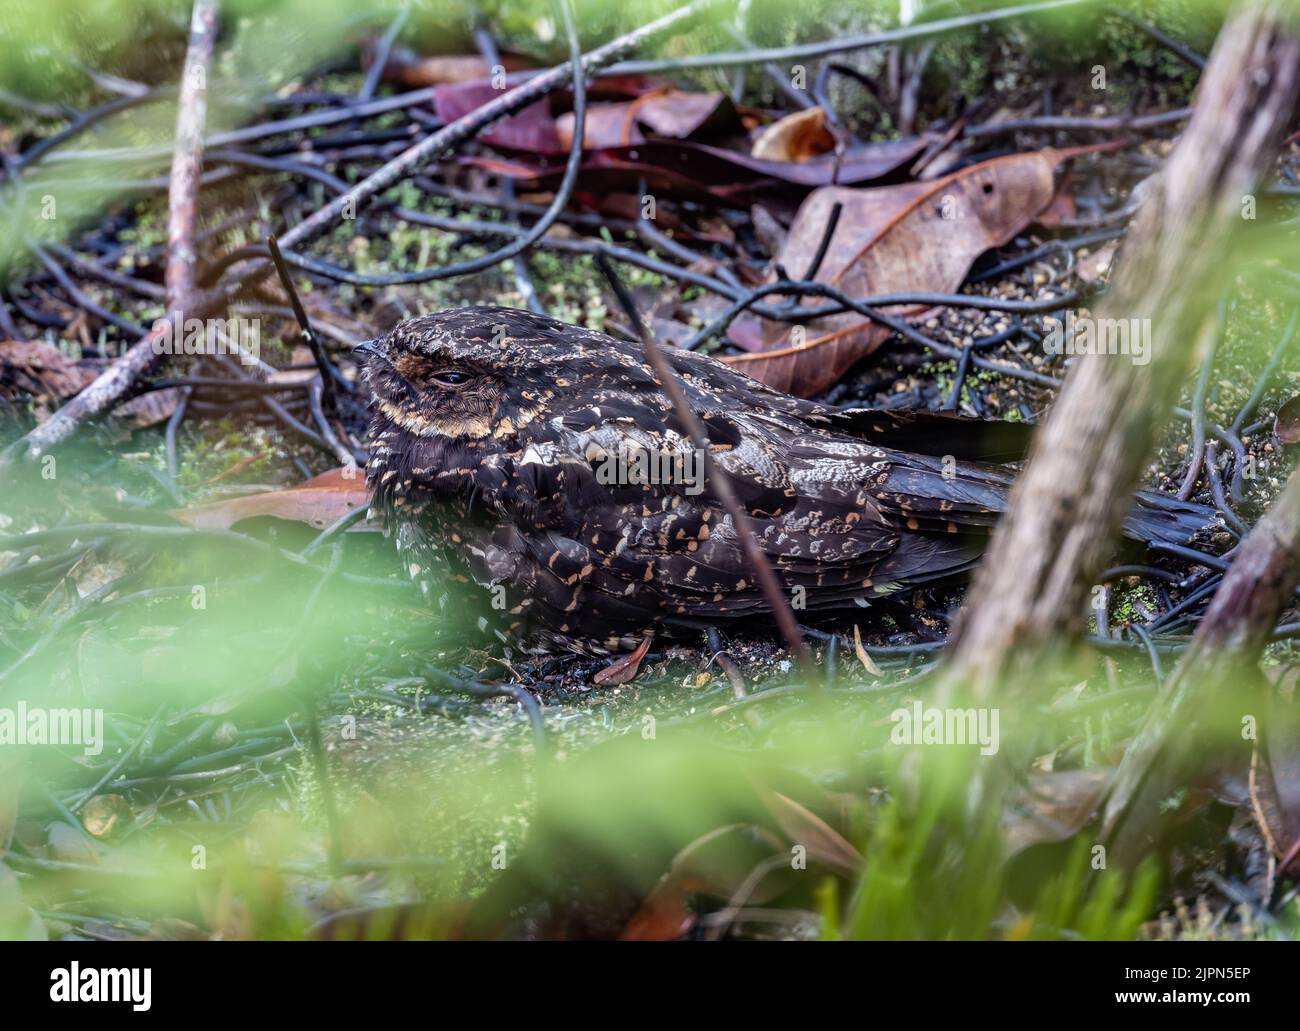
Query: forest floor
435	742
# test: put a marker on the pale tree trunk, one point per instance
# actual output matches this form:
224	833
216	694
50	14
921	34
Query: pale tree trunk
1028	601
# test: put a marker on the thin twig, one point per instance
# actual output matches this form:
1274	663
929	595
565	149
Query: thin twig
918	30
777	603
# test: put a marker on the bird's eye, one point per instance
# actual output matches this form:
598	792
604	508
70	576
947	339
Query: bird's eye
450	377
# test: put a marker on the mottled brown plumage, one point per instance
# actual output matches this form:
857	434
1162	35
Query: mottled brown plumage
490	441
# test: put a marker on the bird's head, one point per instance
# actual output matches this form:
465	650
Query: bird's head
425	384
478	373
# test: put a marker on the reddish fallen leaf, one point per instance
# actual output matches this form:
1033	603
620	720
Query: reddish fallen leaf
533	129
666	914
684	169
715	864
628	206
670	113
150	408
800	136
237	467
624	668
319	502
860	164
920	236
1277	801
530	129
1287	423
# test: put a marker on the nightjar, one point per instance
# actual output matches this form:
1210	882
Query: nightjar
545	463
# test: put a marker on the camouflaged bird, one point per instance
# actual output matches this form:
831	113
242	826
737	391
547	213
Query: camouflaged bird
507	444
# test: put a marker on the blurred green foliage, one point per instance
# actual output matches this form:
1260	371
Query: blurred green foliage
607	809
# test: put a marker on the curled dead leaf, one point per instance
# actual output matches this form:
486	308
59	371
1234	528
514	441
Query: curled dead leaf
36	369
824	844
624	668
796	137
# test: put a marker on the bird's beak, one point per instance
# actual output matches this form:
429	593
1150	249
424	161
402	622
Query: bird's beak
368	349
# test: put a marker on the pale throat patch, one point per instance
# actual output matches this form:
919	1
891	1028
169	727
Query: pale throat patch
476	427
425	426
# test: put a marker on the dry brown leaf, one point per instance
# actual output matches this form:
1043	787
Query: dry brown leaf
236	468
319	502
90	573
624	668
1274	775
912	237
796	137
36	368
1062	210
824	844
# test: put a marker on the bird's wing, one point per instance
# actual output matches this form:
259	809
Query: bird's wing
583	539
